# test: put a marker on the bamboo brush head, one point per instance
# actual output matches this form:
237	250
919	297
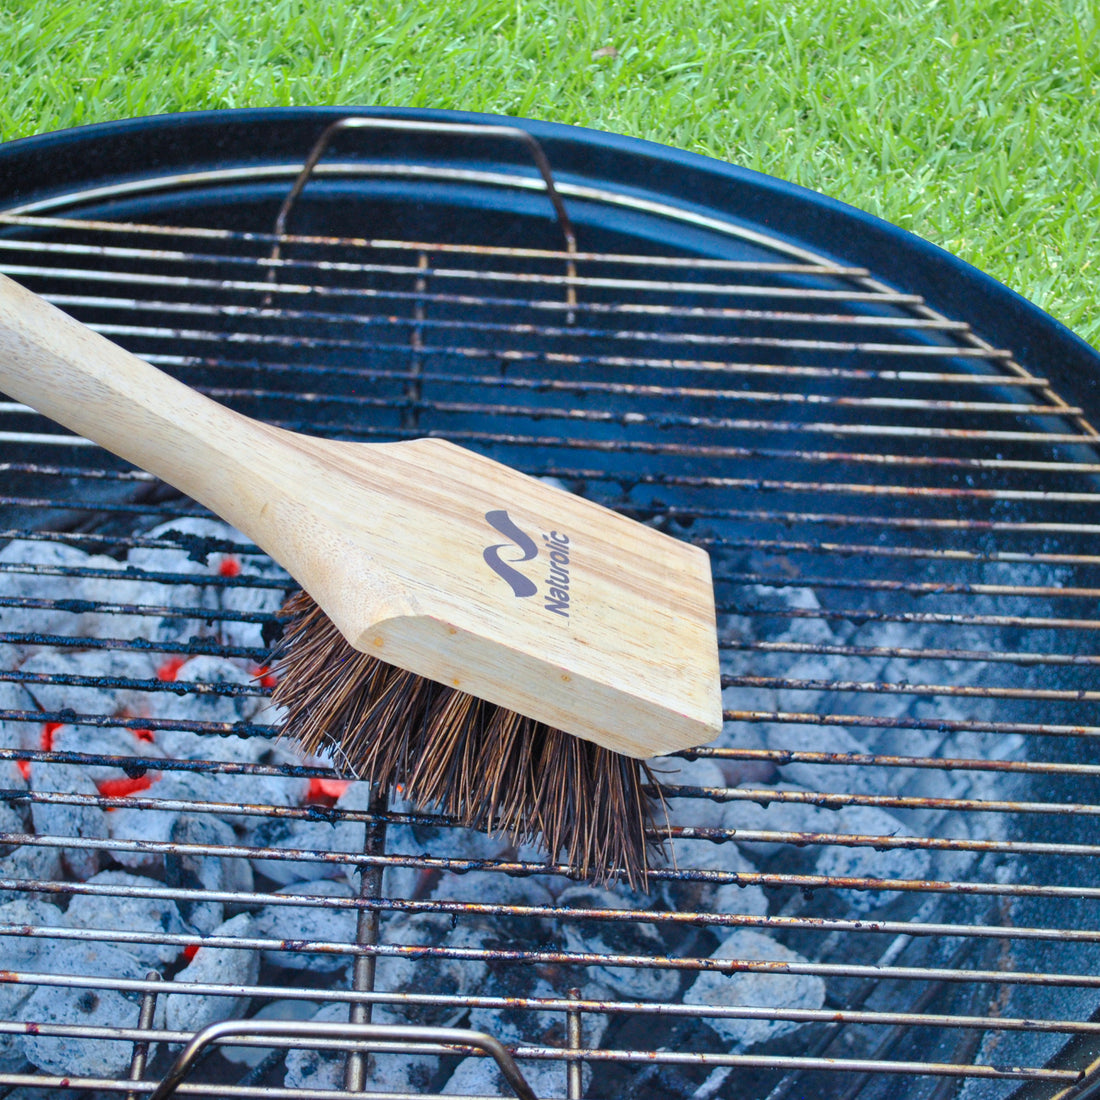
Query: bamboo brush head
490	768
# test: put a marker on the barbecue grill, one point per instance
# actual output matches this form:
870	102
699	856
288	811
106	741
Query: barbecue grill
879	879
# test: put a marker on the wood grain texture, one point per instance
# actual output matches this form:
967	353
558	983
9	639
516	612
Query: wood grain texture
606	628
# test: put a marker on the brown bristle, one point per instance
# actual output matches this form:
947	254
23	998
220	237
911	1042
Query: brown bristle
492	769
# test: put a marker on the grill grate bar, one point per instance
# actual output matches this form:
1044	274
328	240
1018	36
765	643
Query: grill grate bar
916	588
283	239
901	722
489	439
378	903
912	654
518	278
584	1005
578	958
665	479
769	880
593	310
572	333
935	553
612	416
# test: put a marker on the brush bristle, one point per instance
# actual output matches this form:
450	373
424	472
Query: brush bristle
492	769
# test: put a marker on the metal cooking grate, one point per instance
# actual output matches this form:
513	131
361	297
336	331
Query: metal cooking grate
902	522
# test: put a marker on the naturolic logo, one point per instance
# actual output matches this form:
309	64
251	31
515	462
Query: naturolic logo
502	522
557	597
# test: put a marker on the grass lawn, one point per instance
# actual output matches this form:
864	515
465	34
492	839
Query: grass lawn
974	123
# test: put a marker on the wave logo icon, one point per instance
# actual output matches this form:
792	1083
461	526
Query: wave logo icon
519	541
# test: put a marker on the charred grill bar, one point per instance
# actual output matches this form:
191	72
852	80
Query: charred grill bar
888	852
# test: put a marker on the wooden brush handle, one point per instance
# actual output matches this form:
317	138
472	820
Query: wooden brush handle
431	557
84	381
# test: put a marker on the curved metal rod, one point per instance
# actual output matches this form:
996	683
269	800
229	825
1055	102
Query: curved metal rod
459	129
336	1034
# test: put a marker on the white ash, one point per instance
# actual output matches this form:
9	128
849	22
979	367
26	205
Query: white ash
305	834
491	889
778	816
429	975
317	1068
69	820
728	898
532	1025
129	912
132	823
98	1007
11	821
211	597
694	810
480	1076
866	862
291	1008
14	699
310	922
228	966
748	989
618	938
195	871
35	559
20	953
203	703
32	863
100	664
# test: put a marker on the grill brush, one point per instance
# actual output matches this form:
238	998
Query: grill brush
504	650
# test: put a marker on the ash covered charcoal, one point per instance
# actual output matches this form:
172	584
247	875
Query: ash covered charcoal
530	1025
108	742
490	889
199	704
693	808
427	974
705	896
51	667
290	1008
324	831
15	700
754	989
411	1073
778	816
308	835
138	823
69	820
480	1076
229	966
20	953
314	1068
44	571
130	912
195	871
182	557
866	862
212	551
12	820
31	863
608	937
97	1007
312	922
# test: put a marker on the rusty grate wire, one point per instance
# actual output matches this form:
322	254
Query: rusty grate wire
902	521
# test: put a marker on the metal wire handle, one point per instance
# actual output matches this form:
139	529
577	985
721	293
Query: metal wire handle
459	129
337	1035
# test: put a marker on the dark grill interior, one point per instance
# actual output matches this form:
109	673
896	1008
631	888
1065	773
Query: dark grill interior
889	849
